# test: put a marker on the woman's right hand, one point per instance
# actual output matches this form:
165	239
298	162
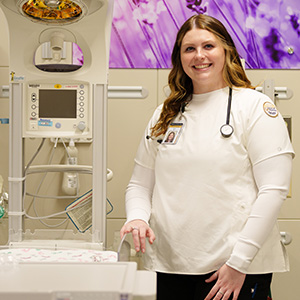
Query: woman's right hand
140	231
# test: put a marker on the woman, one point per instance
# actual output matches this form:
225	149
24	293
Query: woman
210	217
170	137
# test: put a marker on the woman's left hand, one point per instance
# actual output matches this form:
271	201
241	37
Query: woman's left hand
229	281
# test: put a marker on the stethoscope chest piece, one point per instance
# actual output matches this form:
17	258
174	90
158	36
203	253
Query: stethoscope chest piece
226	130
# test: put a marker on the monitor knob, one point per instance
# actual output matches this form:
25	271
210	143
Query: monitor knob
81	125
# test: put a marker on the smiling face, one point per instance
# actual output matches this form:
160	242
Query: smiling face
203	58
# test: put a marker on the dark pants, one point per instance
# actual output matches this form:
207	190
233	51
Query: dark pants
194	287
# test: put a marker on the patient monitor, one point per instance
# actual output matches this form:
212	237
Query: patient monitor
58	109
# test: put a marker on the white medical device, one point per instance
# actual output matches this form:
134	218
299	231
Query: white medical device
59	53
77	281
58	109
59	59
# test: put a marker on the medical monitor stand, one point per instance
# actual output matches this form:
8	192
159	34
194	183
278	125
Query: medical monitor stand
24	37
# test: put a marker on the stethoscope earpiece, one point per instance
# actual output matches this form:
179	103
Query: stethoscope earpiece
149	137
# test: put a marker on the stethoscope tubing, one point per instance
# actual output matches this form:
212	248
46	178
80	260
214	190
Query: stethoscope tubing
229	106
226	129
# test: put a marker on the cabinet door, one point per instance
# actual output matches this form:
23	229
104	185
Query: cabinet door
289	109
285	285
4	52
127	120
4	128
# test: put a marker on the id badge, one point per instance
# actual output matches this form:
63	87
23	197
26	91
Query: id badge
173	134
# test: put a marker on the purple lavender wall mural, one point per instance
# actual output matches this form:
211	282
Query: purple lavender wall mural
266	32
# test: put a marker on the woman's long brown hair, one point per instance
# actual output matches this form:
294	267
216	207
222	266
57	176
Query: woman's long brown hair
181	85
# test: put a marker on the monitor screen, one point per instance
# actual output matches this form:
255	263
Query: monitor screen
57	104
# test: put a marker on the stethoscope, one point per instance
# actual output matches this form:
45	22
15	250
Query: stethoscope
226	129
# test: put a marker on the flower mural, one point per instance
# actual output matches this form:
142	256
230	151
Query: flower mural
266	32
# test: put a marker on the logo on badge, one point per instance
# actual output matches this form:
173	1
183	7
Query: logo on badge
270	109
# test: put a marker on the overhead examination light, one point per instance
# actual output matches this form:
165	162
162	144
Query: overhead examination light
53	11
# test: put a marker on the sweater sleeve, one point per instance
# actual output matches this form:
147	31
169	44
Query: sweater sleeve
139	194
272	177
